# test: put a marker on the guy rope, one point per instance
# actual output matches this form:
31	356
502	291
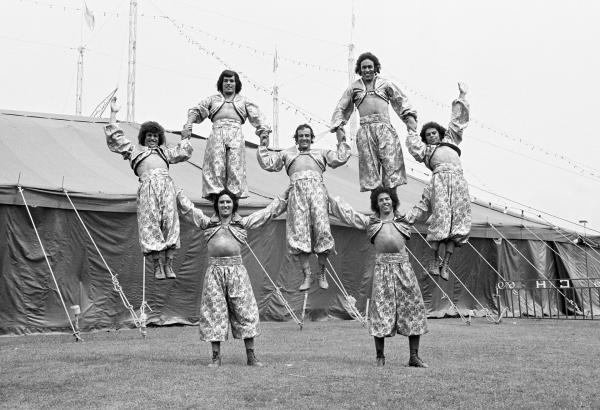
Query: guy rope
277	290
114	279
75	331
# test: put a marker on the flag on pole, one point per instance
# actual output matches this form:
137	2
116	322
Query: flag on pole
90	20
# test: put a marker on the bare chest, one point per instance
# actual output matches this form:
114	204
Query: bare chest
372	104
152	161
304	163
227	111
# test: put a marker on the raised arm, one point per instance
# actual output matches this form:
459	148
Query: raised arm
115	138
401	106
272	211
343	110
460	116
271	161
344	212
189	212
196	114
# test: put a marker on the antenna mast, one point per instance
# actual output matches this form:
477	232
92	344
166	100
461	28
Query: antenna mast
79	92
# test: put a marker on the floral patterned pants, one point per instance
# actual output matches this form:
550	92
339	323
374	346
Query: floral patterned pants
225	160
308	229
380	158
227	299
396	301
158	222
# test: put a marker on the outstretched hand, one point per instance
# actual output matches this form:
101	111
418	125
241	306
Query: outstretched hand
264	140
462	89
114	106
186	132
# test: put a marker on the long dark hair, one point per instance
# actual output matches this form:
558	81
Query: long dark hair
230	194
367	56
229	73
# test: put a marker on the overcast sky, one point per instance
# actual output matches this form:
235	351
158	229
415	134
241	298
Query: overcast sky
532	67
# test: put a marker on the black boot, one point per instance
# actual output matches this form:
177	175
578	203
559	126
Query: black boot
252	360
216	360
415	360
379	347
216	355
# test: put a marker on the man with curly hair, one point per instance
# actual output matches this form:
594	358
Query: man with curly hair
307	227
224	158
396	301
445	200
380	158
158	222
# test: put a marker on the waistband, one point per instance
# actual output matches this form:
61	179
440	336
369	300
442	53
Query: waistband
225	260
227	122
308	174
391	257
153	173
374	118
455	169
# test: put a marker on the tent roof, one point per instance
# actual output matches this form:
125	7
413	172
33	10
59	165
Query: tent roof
45	153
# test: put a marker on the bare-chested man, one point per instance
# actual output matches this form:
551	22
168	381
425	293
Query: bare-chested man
224	159
396	301
158	222
380	157
227	296
307	227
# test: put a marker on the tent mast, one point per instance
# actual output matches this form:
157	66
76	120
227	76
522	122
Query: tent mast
131	65
275	101
351	62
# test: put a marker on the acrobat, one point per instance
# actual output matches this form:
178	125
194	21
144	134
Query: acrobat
158	222
380	158
224	158
307	228
445	200
396	301
227	296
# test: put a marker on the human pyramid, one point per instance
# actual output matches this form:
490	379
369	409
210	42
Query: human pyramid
227	296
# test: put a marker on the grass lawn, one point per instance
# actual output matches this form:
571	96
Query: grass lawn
524	363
